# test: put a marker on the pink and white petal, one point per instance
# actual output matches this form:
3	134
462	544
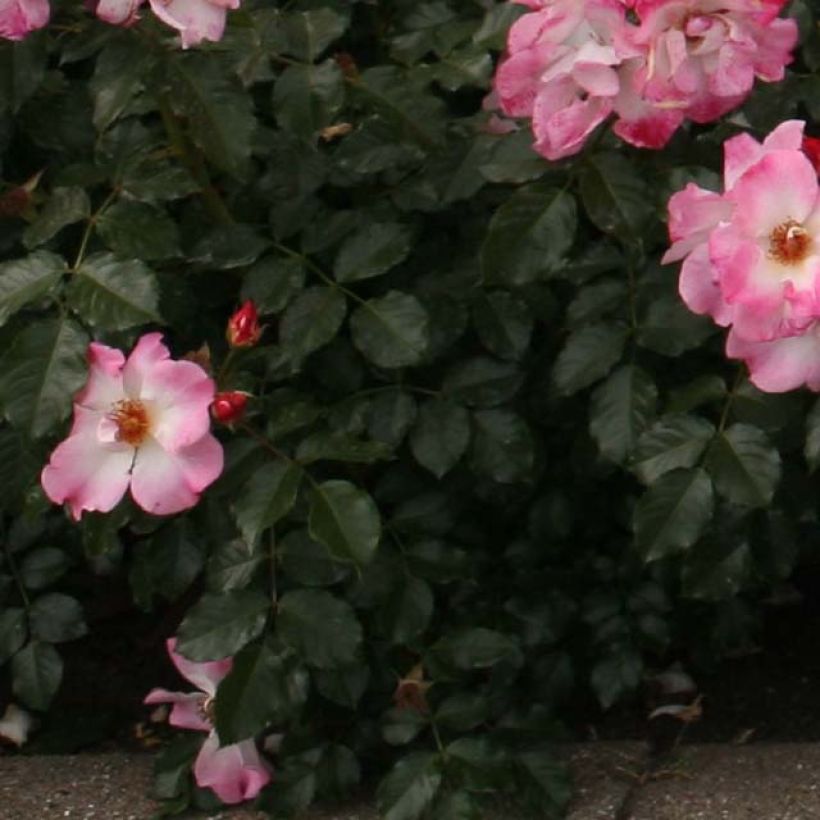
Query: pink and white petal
781	364
653	129
196	20
146	355
118	12
86	474
693	213
739	154
742	270
699	289
781	186
104	386
597	79
205	675
187	708
517	81
564	132
20	17
178	394
235	772
165	482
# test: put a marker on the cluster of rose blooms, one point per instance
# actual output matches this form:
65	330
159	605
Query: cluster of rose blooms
195	20
570	64
751	255
142	423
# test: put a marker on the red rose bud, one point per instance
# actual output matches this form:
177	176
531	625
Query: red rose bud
243	326
811	148
229	407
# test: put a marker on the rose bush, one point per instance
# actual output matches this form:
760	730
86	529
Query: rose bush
419	441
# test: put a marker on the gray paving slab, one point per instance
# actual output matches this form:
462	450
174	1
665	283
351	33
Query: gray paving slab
704	782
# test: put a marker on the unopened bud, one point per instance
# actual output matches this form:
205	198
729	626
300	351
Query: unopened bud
243	327
229	407
811	148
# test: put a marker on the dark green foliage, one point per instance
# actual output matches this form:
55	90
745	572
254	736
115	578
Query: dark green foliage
489	459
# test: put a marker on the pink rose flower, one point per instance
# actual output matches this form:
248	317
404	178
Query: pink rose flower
19	17
751	256
140	423
118	12
702	56
195	20
235	772
561	70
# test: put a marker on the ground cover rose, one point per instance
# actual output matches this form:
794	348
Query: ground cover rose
653	63
751	256
141	423
20	17
235	772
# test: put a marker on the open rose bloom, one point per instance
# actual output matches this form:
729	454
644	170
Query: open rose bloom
572	63
140	423
751	256
235	772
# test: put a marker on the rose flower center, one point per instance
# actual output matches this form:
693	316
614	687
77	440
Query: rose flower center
789	243
131	419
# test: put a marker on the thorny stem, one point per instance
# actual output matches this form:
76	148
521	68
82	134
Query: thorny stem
16	575
272	557
89	227
192	158
727	406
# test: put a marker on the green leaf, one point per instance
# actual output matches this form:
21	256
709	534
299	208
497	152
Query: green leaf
307	562
12	631
410	787
372	251
408	611
616	195
331	446
391	331
36	671
26	280
266	686
64	207
218	110
744	465
139	231
717	571
672	514
113	294
266	498
811	450
43	566
117	74
55	618
528	235
272	282
673	441
400	726
440	436
311	320
41	372
323	629
504	324
22	69
391	415
617	675
477	648
346	520
503	447
588	355
233	565
306	98
620	410
219	625
309	33
482	382
463	711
